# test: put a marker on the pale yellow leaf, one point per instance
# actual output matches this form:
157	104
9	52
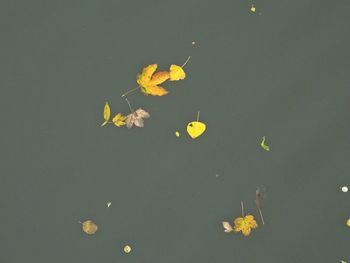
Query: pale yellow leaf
106	114
228	228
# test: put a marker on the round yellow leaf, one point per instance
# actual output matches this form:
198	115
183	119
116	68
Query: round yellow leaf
89	227
196	129
127	249
176	73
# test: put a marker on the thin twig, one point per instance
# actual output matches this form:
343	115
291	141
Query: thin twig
261	216
188	59
129	91
198	115
126	99
242	208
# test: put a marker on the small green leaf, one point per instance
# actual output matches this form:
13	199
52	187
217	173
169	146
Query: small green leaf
263	145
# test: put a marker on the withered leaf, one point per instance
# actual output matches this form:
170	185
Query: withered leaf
228	228
136	118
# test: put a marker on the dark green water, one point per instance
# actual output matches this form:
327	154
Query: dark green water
282	72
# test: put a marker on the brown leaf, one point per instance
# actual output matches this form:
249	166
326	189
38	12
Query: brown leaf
136	118
89	227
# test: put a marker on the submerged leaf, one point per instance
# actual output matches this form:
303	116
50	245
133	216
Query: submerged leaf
136	118
260	195
176	73
89	227
106	114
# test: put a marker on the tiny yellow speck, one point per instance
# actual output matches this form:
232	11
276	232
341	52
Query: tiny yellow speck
177	134
127	249
348	222
252	8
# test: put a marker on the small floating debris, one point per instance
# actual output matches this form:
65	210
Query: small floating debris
344	189
253	8
348	222
127	249
177	134
109	204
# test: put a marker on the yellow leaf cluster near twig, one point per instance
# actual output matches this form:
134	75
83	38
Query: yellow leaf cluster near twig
118	119
241	224
149	81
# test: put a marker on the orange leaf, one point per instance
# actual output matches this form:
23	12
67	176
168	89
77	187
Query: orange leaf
159	78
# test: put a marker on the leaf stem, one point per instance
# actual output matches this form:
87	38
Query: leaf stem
129	91
242	206
261	216
126	99
198	115
188	59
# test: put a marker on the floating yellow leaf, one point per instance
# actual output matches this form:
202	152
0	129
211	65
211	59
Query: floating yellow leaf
348	222
176	73
263	145
177	134
146	75
89	227
106	114
127	249
196	129
228	228
245	224
154	90
149	82
119	120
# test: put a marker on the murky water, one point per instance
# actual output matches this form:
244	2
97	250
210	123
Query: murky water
281	72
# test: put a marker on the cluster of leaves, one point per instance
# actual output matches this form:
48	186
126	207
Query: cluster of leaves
148	81
241	224
134	118
246	223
